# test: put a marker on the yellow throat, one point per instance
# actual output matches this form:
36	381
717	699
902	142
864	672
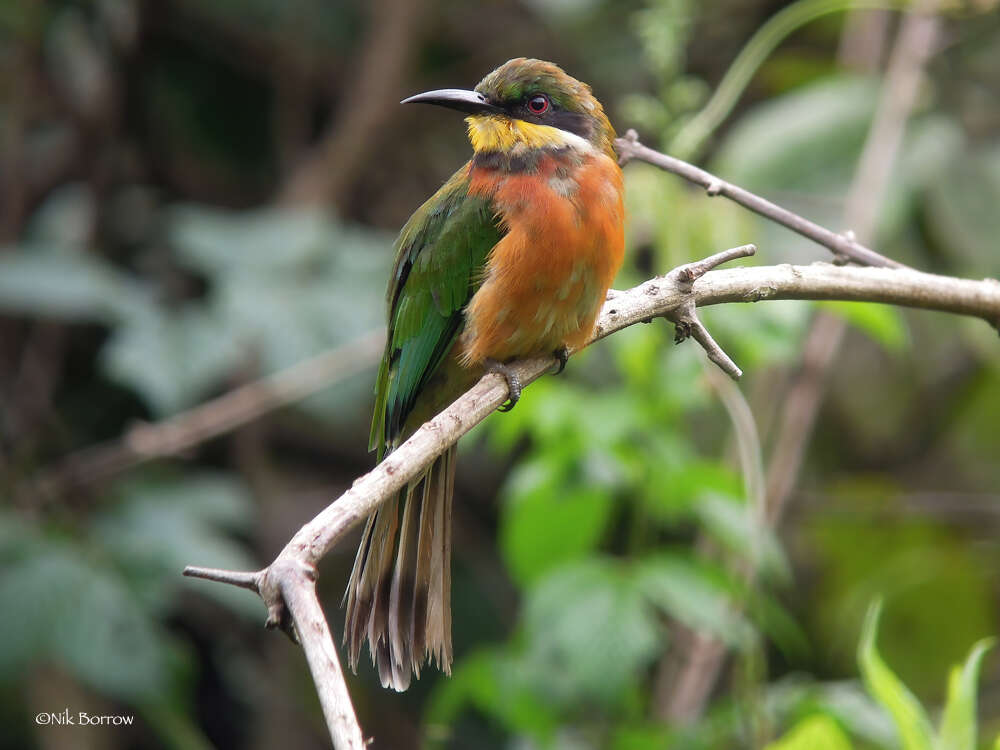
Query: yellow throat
492	133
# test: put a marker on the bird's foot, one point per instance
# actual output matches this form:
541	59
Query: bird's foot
562	355
513	382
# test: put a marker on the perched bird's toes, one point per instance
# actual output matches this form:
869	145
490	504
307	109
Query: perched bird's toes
561	354
513	382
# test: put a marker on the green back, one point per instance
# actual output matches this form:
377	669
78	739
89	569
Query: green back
440	254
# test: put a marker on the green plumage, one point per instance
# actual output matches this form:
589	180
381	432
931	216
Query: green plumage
440	254
398	598
399	593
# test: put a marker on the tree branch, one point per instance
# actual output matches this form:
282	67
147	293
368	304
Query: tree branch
290	595
146	442
296	588
841	245
659	297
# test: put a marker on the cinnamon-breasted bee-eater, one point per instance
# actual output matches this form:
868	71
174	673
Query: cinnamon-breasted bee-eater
512	257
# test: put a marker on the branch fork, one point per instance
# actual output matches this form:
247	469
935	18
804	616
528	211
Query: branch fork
288	589
684	316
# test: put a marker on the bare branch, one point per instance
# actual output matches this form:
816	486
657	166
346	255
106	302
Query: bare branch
297	589
689	325
685	319
293	606
243	580
658	297
689	272
281	584
844	245
146	442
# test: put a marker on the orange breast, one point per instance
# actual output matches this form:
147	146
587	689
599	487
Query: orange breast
546	280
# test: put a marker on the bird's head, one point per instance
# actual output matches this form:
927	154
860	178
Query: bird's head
528	104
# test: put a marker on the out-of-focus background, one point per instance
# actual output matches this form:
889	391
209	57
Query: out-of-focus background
197	194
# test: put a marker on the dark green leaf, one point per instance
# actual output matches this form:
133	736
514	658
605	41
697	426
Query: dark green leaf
588	630
695	594
62	607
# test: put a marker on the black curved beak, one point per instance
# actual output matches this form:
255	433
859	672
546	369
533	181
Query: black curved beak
464	101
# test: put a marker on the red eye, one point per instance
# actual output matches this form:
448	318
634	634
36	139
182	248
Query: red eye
538	105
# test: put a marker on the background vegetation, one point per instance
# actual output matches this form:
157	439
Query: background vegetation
198	193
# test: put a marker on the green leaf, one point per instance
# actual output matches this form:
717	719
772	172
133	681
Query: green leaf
804	144
884	324
163	524
806	138
73	286
759	48
962	203
761	335
81	615
958	723
781	627
732	524
641	737
696	594
278	295
107	638
65	219
846	701
172	359
542	401
675	480
17	536
914	559
497	684
819	732
588	632
933	143
545	522
215	241
911	721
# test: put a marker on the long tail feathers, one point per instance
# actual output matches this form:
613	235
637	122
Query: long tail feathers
399	595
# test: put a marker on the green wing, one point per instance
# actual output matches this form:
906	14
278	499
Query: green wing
439	256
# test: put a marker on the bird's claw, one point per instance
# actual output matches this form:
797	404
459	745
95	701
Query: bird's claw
562	356
513	383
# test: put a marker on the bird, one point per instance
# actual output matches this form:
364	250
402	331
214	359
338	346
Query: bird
512	257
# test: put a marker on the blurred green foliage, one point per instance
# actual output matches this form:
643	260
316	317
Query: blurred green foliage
275	296
92	598
148	262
